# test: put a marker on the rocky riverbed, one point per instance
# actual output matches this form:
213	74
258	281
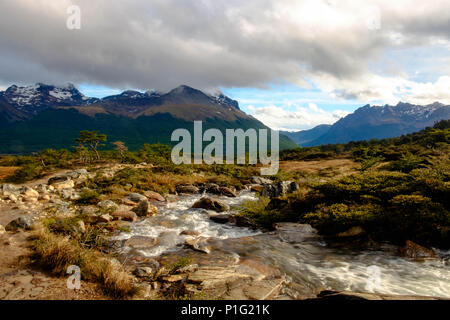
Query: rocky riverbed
194	243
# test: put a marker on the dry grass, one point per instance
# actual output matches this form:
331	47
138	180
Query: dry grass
338	166
56	253
7	171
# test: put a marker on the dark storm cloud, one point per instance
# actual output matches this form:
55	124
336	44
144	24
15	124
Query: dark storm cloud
206	44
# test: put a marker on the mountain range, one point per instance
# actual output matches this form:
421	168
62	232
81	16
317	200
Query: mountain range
374	122
41	116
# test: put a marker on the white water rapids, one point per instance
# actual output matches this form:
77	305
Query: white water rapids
311	262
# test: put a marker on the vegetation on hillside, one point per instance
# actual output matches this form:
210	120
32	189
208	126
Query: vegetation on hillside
401	193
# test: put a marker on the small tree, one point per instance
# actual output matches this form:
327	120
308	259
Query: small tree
92	139
121	148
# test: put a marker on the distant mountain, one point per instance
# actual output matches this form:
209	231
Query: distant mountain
44	116
306	136
377	122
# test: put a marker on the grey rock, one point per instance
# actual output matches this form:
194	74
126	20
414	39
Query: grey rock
136	197
144	272
260	180
142	209
279	189
10	189
107	205
25	223
220	218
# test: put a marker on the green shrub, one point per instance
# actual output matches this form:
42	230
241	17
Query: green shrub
26	173
88	196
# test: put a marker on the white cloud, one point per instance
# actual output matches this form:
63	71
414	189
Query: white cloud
300	118
389	90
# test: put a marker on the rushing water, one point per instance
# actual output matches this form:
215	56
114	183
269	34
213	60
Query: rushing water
308	261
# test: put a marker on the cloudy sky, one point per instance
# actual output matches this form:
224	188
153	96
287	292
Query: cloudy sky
293	64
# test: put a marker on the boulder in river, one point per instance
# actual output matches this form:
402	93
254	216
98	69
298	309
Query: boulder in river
211	204
215	189
25	223
220	218
144	209
414	251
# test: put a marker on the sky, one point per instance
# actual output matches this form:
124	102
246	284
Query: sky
293	64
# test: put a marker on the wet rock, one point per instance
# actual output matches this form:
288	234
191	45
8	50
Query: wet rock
279	189
141	242
211	204
220	218
25	223
144	209
189	233
218	190
136	197
154	196
198	244
107	205
125	215
228	192
414	251
187	188
260	180
352	232
244	222
295	232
